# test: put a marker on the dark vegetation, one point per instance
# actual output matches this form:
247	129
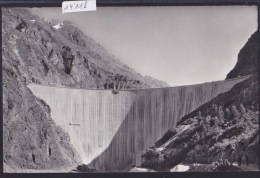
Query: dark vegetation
84	168
217	166
169	134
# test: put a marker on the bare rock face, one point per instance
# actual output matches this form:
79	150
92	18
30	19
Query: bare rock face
31	139
52	53
247	62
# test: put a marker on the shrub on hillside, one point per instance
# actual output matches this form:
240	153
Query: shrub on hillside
169	134
84	168
222	165
150	153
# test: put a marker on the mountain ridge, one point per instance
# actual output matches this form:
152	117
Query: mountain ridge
247	61
70	50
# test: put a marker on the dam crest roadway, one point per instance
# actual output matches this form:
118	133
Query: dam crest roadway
110	128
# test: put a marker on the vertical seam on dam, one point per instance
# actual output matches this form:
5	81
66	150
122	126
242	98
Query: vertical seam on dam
105	127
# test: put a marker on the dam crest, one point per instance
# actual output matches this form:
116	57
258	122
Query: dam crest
110	129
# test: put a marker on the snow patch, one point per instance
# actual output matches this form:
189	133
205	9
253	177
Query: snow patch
32	20
58	26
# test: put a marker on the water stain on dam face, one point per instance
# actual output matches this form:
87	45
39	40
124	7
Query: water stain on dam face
110	130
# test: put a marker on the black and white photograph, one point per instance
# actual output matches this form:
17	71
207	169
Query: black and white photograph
130	89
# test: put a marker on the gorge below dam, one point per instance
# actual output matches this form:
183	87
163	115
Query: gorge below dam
110	129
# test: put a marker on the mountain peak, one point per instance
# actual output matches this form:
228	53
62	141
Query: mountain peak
247	61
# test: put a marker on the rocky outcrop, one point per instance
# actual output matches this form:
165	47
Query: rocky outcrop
247	61
30	137
54	53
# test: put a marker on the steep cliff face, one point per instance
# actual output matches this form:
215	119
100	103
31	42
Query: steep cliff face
30	137
52	53
224	128
247	61
107	127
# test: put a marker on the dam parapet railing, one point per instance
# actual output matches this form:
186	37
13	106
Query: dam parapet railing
242	78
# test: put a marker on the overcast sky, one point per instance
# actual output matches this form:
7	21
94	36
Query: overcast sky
178	45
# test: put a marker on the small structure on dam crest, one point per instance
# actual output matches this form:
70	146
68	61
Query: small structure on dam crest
126	123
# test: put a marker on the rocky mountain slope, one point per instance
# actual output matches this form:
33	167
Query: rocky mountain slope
50	53
59	53
247	63
224	128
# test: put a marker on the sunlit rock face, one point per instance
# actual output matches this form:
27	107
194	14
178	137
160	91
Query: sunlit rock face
109	129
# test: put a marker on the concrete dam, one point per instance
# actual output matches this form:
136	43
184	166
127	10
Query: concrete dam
110	129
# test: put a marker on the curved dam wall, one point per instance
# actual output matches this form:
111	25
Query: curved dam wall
110	130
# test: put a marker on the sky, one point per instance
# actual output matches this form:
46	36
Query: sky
179	45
